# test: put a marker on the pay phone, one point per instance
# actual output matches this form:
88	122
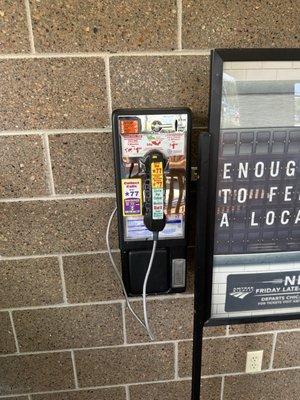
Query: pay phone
152	172
151	150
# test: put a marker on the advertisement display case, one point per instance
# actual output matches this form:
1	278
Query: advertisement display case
248	269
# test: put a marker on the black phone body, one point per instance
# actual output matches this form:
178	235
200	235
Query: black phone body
152	175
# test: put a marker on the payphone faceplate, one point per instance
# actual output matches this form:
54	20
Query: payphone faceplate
138	134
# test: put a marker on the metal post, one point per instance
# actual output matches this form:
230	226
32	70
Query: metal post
200	306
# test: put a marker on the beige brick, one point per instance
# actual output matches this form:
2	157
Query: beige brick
91	278
82	162
214	331
211	390
15	398
170	319
281	385
161	82
34	373
287	350
69	327
13	33
22	171
30	282
264	327
7	341
104	25
95	394
209	24
53	93
43	227
121	365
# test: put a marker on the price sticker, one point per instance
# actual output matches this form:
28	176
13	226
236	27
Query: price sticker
132	197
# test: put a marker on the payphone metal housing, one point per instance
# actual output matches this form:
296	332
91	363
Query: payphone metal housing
138	133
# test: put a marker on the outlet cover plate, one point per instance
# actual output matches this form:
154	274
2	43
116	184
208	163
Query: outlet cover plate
254	361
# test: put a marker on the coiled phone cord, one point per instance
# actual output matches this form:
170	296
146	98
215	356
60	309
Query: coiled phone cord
145	323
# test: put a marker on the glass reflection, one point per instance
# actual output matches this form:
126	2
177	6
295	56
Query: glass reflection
260	94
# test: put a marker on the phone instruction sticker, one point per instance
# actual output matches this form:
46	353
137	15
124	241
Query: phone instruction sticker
169	143
157	182
132	197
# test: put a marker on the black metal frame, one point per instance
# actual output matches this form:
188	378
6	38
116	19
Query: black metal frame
218	57
204	261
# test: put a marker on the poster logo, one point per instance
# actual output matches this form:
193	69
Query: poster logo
241	292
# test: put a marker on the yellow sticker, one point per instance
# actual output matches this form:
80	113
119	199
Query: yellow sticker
157	183
157	176
132	197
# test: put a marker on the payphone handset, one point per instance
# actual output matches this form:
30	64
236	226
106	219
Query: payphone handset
151	149
154	191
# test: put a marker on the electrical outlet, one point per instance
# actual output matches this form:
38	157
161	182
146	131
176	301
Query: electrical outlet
254	361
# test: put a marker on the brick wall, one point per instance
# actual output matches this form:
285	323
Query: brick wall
65	333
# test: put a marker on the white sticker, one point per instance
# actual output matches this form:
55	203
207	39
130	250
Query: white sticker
157	203
169	143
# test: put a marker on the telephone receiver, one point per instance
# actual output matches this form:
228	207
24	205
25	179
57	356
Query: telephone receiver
154	191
